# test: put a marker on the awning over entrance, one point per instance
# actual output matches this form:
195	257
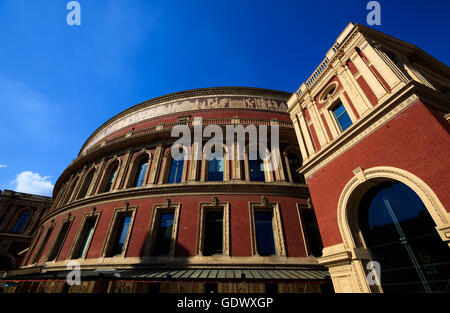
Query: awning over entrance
190	274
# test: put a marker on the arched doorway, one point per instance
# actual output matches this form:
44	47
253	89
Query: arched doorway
400	234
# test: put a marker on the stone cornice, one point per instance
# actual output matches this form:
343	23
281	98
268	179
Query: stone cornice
202	92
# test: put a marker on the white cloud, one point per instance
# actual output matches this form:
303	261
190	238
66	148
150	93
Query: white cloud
33	183
3	165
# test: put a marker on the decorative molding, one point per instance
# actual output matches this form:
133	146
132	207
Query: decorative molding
328	154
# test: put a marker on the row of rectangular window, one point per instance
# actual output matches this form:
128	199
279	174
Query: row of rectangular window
212	234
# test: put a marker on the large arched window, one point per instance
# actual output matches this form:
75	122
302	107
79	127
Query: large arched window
400	234
86	184
68	196
110	177
21	222
141	170
176	171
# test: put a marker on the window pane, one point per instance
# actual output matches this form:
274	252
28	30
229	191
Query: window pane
140	175
295	162
176	171
87	235
215	170
213	236
86	185
59	241
111	179
312	233
122	235
256	174
164	234
342	116
21	222
400	234
264	233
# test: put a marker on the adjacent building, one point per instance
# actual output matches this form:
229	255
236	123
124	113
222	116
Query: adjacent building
372	124
20	215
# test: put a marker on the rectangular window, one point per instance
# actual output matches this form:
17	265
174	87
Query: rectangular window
123	225
164	234
59	241
311	232
213	233
21	222
43	244
84	240
342	117
265	242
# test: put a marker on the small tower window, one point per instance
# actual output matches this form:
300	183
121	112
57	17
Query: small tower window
341	115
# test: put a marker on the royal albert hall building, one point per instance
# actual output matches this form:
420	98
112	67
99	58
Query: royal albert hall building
136	219
358	200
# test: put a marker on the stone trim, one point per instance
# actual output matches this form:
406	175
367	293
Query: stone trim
354	135
132	169
53	247
351	256
76	245
214	205
265	205
112	230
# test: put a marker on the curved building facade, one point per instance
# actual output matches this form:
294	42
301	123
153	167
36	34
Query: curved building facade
134	218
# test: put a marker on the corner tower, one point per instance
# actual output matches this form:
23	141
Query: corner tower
372	124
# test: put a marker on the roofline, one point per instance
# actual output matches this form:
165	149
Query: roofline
282	95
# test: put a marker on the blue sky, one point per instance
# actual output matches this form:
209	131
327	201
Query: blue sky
58	83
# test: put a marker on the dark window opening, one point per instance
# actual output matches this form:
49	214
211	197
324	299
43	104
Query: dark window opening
86	185
59	242
43	244
140	174
213	233
21	222
311	230
122	228
265	242
154	288
110	181
271	288
86	234
163	239
211	288
295	162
